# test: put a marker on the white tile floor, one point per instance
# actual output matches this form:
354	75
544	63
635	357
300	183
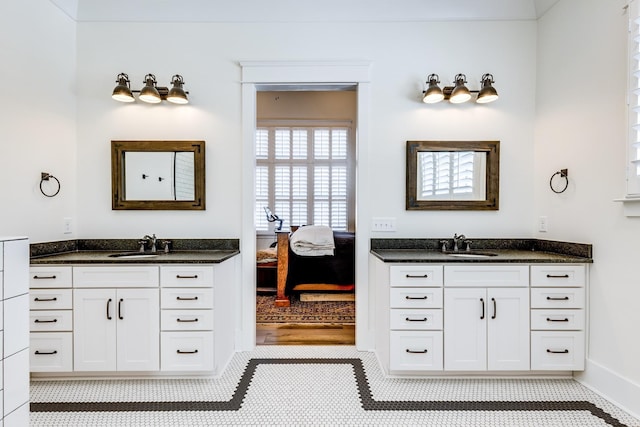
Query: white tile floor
332	393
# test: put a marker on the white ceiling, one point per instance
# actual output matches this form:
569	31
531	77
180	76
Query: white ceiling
301	10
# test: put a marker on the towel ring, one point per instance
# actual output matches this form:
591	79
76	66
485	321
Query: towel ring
564	173
44	176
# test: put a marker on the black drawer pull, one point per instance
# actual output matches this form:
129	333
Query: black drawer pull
557	320
108	311
36	299
186	299
408	319
416	276
120	309
44	277
557	276
40	353
195	276
558	299
188	320
408	297
45	321
558	351
187	352
416	351
482	302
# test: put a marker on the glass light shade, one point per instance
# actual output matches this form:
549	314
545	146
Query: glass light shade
176	94
460	93
122	92
433	93
149	93
488	93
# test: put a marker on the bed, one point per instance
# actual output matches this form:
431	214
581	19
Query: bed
326	273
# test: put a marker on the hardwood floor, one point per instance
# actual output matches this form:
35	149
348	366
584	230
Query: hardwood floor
305	334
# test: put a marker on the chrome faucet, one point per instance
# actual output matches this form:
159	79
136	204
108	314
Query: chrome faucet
457	239
151	240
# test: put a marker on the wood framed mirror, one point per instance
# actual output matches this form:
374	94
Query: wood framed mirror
453	175
158	175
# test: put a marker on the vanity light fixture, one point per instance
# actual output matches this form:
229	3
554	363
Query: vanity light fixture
151	92
459	93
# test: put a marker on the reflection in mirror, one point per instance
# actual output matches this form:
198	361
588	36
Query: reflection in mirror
164	175
452	175
158	175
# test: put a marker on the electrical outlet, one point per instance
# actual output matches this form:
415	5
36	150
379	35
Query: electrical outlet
543	224
68	226
383	224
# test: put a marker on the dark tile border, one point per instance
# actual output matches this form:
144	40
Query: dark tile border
368	403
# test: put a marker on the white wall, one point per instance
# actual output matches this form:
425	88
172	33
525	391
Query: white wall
207	56
37	120
581	125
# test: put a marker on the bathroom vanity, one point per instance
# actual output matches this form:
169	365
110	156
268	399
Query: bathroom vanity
505	310
14	331
95	314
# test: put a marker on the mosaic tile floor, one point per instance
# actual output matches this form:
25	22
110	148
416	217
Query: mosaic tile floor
319	386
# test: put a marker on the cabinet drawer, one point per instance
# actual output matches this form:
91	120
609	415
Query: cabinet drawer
50	352
186	320
187	298
187	351
50	320
557	297
557	351
415	297
50	299
558	275
186	276
50	277
416	319
415	275
415	351
486	275
142	276
557	319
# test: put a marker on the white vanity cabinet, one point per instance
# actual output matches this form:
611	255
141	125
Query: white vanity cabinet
116	318
474	317
187	317
558	317
415	317
14	331
51	319
486	317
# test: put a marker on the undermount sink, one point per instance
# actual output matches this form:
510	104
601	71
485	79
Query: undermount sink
133	255
471	254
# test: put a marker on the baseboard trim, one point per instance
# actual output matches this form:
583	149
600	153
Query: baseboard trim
610	385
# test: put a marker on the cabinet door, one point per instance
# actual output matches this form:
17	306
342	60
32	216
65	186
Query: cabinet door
508	329
94	334
465	329
138	320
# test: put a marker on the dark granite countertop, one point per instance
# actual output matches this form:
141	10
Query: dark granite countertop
98	251
500	250
501	256
102	257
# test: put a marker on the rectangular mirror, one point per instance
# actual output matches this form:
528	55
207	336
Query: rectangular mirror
158	175
452	175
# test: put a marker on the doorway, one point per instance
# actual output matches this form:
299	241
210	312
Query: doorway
305	175
255	76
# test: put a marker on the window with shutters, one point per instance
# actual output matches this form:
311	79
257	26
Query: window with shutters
304	174
633	167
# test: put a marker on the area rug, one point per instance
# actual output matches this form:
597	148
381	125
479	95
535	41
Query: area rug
343	312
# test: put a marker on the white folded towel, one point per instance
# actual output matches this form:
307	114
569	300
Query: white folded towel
312	240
